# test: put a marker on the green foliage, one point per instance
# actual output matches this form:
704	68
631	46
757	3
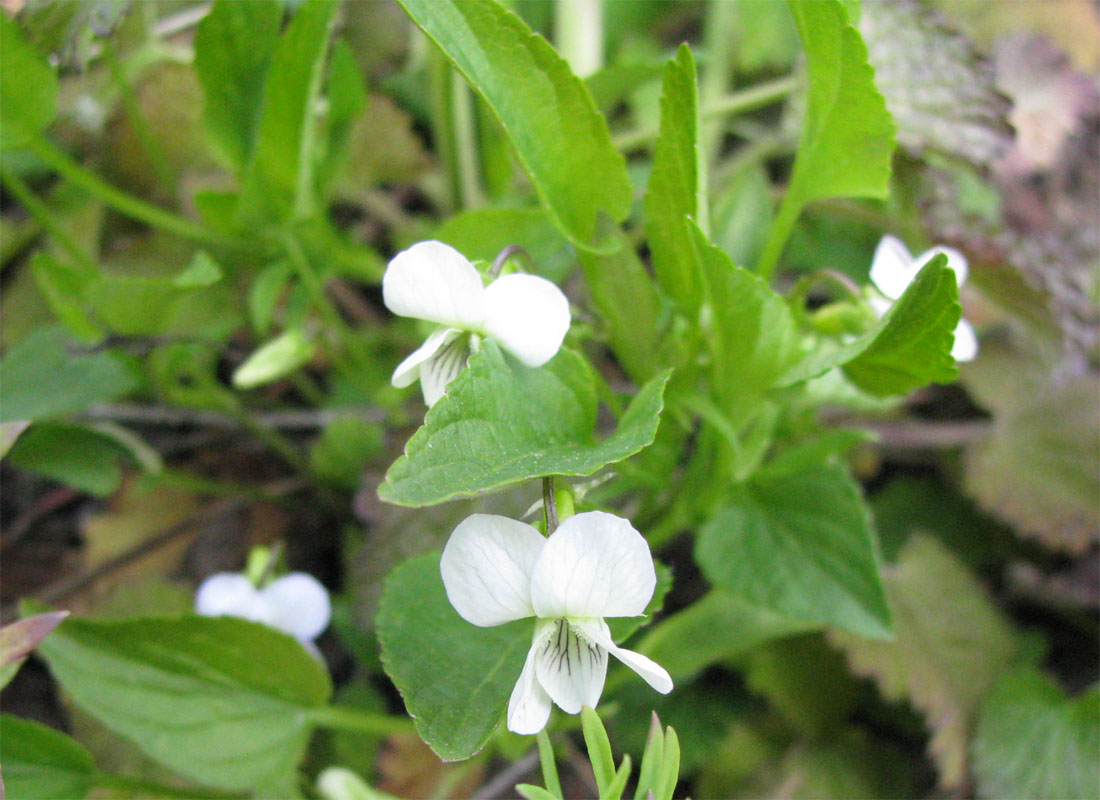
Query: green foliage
80	457
234	44
501	422
28	87
343	450
455	677
19	638
847	134
800	545
45	375
1033	741
560	138
950	644
907	348
42	763
242	724
677	187
278	181
276	359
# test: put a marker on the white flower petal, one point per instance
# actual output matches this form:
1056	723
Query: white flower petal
650	671
528	315
529	705
966	342
570	666
444	366
408	371
956	260
486	568
893	268
230	594
433	281
298	604
594	565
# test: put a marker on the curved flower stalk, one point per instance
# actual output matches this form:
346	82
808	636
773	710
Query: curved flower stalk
894	268
594	565
527	315
296	603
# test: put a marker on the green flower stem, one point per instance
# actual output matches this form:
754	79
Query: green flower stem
125	203
149	143
345	718
549	765
549	505
128	786
45	217
578	34
778	234
467	160
720	42
732	104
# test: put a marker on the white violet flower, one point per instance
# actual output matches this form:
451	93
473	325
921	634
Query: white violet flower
594	565
296	603
527	315
894	268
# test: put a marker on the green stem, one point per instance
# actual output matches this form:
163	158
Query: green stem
278	443
441	92
345	718
738	102
778	234
466	150
127	785
549	765
336	324
121	201
37	209
719	40
549	505
578	34
140	124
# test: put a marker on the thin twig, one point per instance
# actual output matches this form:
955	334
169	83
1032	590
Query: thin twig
178	416
508	777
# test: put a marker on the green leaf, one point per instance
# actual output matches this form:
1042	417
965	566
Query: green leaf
801	545
42	763
455	677
279	178
501	422
202	271
275	359
908	348
711	629
72	454
560	138
143	305
599	749
677	187
28	87
950	644
223	701
233	48
64	287
847	134
629	307
1032	741
753	336
9	433
44	375
265	292
347	95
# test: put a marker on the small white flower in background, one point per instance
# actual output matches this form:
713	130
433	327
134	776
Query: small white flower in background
594	565
296	603
527	315
894	268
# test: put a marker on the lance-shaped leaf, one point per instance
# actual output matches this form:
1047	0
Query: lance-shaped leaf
455	677
279	178
847	133
677	187
42	763
233	48
560	138
950	644
908	348
19	638
799	544
28	87
501	422
223	701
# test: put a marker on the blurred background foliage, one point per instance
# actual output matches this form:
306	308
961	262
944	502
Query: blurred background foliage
147	254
